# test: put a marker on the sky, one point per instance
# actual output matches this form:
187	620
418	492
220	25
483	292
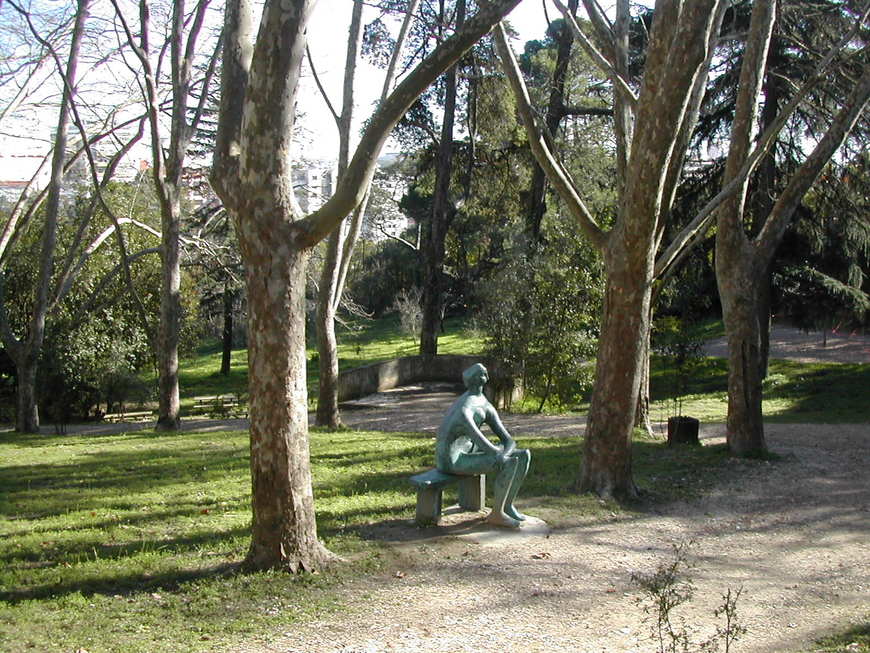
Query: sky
328	43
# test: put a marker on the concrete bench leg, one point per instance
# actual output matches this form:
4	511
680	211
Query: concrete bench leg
428	506
472	492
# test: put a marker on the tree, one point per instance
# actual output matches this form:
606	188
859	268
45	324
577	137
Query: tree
24	349
342	241
252	176
168	165
652	128
743	262
443	210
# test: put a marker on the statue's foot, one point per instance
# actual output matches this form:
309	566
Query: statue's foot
503	520
510	511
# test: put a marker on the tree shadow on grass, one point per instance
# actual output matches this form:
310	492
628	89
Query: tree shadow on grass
123	582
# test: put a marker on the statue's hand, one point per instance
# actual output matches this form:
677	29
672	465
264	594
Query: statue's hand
504	453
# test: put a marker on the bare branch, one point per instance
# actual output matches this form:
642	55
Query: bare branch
320	87
400	41
540	144
620	83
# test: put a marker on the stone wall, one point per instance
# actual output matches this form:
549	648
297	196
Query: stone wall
377	377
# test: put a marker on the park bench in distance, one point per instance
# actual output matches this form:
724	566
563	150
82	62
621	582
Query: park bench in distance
126	416
220	406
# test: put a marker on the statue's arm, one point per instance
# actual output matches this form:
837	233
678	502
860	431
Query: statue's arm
499	429
477	435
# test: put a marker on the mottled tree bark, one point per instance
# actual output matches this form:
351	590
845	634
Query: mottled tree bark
740	311
651	143
252	176
606	466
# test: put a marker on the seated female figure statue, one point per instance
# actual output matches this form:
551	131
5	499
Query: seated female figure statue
464	450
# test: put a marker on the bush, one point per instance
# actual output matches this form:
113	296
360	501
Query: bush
539	316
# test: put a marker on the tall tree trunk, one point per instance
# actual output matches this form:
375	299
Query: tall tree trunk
328	414
169	403
606	468
442	214
642	418
765	192
253	177
284	530
27	411
26	351
738	277
737	267
328	296
227	334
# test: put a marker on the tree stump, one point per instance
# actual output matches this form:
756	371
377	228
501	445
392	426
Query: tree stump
683	430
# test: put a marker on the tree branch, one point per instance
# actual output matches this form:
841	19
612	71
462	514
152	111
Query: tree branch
620	83
540	144
774	227
320	87
353	184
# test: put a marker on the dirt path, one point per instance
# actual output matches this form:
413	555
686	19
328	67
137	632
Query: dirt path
816	347
794	534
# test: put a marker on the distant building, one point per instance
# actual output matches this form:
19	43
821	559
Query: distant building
16	171
313	184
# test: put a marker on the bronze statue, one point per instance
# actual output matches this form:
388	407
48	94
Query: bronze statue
462	448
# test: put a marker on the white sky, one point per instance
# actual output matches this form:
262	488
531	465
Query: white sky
328	44
327	41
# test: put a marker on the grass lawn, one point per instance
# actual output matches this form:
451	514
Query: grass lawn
372	342
127	542
794	392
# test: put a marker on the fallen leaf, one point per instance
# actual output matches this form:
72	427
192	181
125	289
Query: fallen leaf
543	555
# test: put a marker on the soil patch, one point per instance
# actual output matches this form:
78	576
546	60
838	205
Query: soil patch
794	534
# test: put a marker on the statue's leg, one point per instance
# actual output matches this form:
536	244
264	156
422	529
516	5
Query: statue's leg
523	458
501	487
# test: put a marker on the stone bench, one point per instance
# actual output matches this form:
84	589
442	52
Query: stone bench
431	484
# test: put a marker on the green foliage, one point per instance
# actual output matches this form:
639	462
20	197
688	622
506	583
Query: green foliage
94	332
680	345
539	315
671	586
827	393
380	272
851	640
128	541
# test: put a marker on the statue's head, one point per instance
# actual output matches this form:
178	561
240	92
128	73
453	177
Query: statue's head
475	374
